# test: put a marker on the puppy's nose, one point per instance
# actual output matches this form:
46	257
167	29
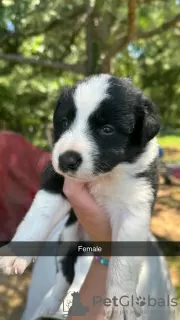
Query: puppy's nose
70	160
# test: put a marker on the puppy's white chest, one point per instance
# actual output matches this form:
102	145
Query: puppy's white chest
121	193
107	191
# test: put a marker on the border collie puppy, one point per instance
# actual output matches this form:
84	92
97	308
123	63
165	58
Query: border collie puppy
104	136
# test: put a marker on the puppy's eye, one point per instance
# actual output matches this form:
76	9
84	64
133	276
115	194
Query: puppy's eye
107	129
64	122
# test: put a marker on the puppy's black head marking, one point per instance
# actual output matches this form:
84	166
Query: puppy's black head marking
65	112
117	127
134	119
151	125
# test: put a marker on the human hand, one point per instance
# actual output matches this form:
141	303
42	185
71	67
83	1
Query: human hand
93	219
90	215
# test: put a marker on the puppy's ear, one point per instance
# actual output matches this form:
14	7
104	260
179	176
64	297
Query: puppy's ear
151	121
147	123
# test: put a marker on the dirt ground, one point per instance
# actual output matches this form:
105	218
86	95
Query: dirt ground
165	224
13	290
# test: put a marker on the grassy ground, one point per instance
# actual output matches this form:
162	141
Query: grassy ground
165	224
168	141
171	144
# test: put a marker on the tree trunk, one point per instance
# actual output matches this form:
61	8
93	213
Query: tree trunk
106	67
92	44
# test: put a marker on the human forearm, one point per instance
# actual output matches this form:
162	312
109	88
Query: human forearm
93	286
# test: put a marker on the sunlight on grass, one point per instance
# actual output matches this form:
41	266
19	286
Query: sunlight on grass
171	145
170	141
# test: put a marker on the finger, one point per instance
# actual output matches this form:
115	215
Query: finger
90	215
80	198
71	186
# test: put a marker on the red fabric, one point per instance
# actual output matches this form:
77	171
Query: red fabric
176	173
21	164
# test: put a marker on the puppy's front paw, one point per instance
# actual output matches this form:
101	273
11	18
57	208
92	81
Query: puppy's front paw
121	303
12	265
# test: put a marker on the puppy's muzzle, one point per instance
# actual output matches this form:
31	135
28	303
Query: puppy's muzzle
70	161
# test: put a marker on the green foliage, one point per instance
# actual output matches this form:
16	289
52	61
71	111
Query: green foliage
89	33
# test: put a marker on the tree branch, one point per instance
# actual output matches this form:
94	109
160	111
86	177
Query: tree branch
156	31
74	34
131	19
124	40
45	63
67	49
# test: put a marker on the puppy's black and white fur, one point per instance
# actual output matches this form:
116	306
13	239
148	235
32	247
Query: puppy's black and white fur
104	135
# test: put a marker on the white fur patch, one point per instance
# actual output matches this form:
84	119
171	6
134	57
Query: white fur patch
147	157
87	98
89	94
46	210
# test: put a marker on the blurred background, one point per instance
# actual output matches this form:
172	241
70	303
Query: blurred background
45	45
